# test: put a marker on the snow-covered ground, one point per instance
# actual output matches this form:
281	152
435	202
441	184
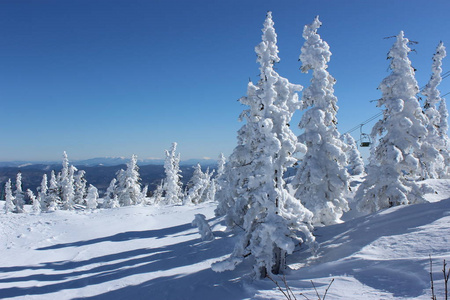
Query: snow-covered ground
155	253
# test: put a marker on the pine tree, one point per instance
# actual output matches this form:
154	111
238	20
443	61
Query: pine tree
172	183
66	184
197	187
111	200
443	129
34	201
19	197
158	193
355	163
80	187
269	215
42	193
91	198
9	198
434	152
129	184
321	178
53	199
392	162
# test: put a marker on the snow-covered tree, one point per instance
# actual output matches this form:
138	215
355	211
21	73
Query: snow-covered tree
392	162
355	163
203	227
172	183
80	187
19	196
259	203
221	165
321	178
197	187
68	188
111	200
129	184
443	129
53	199
91	198
434	152
158	193
42	193
35	201
9	198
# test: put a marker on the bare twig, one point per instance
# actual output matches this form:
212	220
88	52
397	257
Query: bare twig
433	296
446	276
317	293
288	296
326	291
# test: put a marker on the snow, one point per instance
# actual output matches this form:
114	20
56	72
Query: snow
149	252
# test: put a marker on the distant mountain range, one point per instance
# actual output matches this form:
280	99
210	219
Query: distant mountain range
99	171
109	161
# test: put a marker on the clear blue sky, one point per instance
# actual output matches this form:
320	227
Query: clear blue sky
122	77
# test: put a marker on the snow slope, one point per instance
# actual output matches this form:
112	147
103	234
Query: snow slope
155	253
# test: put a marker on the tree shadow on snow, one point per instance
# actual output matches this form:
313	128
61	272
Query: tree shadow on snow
339	242
71	275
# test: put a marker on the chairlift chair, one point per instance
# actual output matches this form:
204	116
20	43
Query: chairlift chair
364	138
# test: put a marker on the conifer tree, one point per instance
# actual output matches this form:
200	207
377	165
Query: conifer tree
434	154
9	198
321	178
35	201
197	187
53	199
19	197
111	200
80	187
392	163
129	184
260	204
355	163
42	193
91	198
172	183
158	193
442	130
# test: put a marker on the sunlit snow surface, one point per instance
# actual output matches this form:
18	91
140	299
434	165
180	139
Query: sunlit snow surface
155	253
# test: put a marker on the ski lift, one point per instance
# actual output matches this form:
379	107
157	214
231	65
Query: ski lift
364	138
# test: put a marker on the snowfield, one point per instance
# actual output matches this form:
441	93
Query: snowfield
144	252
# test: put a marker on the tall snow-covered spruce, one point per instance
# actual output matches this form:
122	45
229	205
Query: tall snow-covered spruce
435	156
321	180
19	195
393	165
273	221
172	183
9	198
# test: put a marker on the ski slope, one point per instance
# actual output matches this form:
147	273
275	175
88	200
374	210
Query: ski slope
155	253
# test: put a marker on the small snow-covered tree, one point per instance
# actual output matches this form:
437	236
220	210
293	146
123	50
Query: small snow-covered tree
322	179
80	187
258	201
42	193
53	199
158	193
9	198
111	200
203	227
392	162
221	165
197	187
355	163
92	197
68	189
35	201
434	152
172	183
129	184
19	196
